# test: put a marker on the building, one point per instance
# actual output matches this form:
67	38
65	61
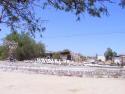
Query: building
90	59
101	58
65	55
117	60
122	59
48	54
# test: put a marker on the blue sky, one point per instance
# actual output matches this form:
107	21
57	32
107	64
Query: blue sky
89	36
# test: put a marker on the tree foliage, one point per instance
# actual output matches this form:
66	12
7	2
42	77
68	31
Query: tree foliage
3	52
109	54
19	14
27	47
56	55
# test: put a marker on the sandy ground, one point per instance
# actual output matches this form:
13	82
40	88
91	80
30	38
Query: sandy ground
21	83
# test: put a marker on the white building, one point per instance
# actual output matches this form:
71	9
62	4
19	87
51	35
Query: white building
101	58
120	59
117	60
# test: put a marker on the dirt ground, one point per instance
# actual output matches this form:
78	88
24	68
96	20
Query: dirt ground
22	83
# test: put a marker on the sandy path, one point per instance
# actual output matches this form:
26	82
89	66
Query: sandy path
19	83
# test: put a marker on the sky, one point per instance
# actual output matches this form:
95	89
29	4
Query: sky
89	36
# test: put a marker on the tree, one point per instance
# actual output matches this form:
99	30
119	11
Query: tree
66	50
3	52
27	47
56	55
109	54
19	14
